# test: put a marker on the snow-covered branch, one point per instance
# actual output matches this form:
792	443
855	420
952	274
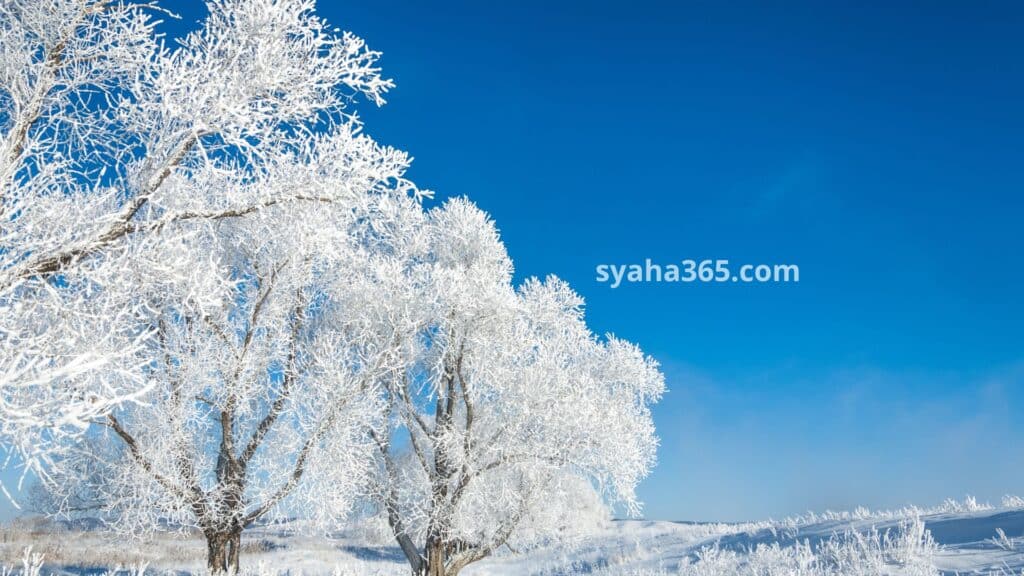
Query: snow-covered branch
117	150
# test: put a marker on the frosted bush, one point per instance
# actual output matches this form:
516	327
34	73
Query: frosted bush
907	550
31	565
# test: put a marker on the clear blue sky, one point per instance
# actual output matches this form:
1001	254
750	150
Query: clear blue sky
876	145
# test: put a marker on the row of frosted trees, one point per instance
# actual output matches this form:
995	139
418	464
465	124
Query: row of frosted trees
222	304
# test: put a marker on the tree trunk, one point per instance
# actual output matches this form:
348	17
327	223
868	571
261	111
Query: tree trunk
440	560
436	560
222	552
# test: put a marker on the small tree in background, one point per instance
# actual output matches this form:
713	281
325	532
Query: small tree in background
507	409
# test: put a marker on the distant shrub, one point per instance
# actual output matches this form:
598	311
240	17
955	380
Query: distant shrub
1010	501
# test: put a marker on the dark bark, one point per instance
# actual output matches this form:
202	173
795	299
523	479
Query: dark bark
436	560
222	551
448	558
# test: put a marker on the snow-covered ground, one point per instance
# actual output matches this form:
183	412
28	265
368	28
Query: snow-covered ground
955	538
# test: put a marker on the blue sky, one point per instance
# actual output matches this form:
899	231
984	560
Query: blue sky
876	145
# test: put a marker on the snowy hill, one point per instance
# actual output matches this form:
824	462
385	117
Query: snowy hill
952	539
955	538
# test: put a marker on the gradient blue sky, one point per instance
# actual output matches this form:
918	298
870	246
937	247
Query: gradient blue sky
878	145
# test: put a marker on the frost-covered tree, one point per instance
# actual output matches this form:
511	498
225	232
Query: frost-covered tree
106	135
260	407
256	411
507	410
